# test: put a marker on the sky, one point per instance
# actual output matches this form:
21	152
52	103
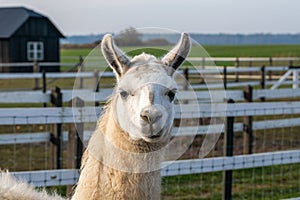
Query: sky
77	17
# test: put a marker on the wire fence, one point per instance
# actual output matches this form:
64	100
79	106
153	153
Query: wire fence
270	170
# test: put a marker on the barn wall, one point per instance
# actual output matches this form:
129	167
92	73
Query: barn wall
4	54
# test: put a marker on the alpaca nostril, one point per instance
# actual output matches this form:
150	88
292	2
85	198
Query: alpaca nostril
146	117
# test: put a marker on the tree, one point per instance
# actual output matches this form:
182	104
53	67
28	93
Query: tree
129	37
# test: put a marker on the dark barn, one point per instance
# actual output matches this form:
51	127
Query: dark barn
27	36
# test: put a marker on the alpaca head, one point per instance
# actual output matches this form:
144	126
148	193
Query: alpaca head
145	89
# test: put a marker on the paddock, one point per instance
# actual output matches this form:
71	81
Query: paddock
256	156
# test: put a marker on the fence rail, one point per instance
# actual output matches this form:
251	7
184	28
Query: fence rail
201	72
37	137
13	116
8	97
44	178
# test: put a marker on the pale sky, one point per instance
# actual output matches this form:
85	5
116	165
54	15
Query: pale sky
74	17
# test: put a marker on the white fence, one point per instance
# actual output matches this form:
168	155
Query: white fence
18	116
63	115
290	76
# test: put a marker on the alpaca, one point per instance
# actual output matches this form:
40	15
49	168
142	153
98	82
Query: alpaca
123	157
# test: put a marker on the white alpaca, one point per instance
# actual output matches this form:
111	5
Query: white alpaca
123	157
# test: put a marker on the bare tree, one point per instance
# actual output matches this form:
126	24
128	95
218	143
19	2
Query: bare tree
129	37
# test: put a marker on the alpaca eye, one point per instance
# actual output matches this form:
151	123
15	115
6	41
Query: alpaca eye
171	95
124	94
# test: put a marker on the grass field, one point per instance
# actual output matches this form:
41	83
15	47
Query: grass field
260	183
213	51
72	55
266	183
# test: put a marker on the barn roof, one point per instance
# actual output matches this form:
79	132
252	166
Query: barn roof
11	18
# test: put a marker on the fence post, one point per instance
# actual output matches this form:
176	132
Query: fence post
36	80
270	72
228	151
56	135
203	62
80	69
44	85
203	67
291	63
247	125
186	80
237	65
250	65
75	141
225	77
97	85
75	137
263	80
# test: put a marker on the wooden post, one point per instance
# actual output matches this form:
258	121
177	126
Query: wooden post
203	67
291	63
203	62
80	69
225	77
270	72
263	80
97	85
36	80
56	135
44	85
250	65
186	80
75	145
228	151
248	132
237	64
186	83
75	141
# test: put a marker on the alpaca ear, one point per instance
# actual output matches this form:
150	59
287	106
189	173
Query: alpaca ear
114	56
178	54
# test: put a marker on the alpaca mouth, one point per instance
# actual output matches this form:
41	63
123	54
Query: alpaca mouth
154	136
158	135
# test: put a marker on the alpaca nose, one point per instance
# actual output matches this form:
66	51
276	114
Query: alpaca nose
150	115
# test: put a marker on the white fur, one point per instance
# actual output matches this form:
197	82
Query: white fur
140	82
13	189
144	59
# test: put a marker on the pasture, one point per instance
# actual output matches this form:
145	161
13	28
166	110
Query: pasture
266	182
214	51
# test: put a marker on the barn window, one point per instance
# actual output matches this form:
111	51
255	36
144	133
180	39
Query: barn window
35	51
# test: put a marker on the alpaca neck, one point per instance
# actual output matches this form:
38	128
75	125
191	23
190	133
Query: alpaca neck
116	167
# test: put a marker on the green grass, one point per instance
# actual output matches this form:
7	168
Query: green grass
213	51
74	52
254	51
274	182
72	55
